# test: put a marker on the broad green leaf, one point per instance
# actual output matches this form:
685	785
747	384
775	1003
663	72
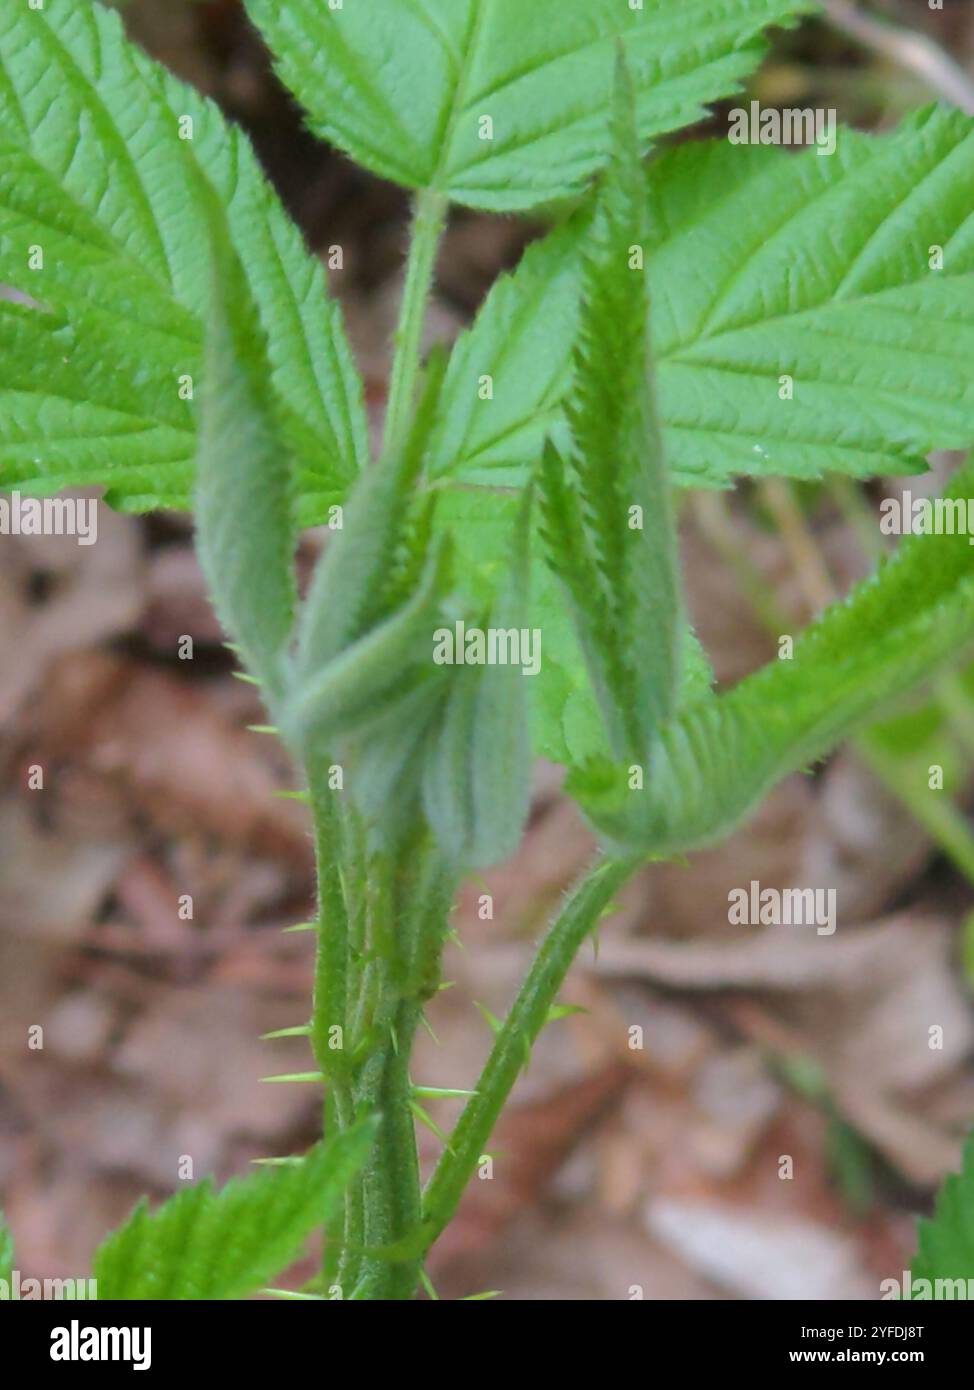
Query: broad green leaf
761	264
6	1250
407	87
204	1244
607	514
95	176
716	762
246	534
946	1241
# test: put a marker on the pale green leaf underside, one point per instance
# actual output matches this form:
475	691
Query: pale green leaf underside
716	761
402	85
93	171
946	1241
566	724
203	1244
621	581
766	264
246	536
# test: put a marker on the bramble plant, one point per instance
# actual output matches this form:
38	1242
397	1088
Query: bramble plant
810	315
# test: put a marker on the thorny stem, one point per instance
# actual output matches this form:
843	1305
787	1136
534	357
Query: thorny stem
330	1012
390	1185
420	902
429	220
512	1047
382	921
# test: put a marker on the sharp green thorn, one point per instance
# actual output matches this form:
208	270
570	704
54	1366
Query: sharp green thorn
294	1296
245	677
559	1011
316	1076
429	1122
480	1297
493	1021
303	1030
429	1028
440	1092
301	926
288	1161
261	729
427	1284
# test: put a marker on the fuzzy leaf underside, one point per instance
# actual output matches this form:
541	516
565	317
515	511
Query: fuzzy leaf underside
93	172
716	762
403	85
246	535
565	718
607	514
760	264
946	1240
477	767
204	1244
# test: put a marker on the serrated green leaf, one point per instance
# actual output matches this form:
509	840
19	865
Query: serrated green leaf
542	74
607	515
946	1241
715	763
203	1244
93	171
246	536
761	264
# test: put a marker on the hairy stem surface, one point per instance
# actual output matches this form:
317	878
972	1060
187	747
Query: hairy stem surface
429	219
512	1047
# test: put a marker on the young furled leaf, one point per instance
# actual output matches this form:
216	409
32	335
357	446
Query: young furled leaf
203	1244
606	509
510	112
101	154
360	575
365	635
245	529
565	720
477	766
840	291
715	762
355	689
946	1241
